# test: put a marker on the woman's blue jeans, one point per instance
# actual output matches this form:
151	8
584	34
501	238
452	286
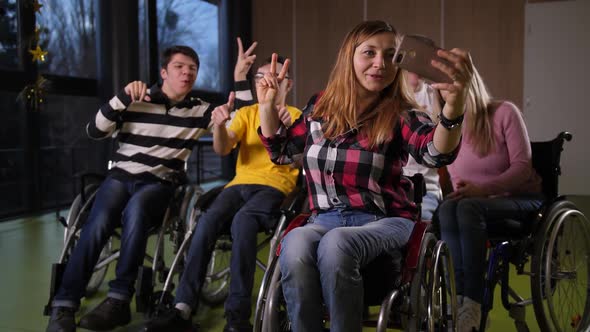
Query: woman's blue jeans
134	205
321	262
464	224
430	203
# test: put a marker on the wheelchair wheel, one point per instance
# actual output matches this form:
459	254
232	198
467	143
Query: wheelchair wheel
432	292
263	294
274	318
76	218
216	285
191	195
561	270
442	297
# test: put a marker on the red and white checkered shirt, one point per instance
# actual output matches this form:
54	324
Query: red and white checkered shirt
346	173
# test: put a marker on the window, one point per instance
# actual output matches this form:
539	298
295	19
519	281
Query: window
12	157
42	151
191	23
68	33
8	34
65	152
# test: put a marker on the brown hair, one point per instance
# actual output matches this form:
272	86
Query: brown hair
338	105
184	50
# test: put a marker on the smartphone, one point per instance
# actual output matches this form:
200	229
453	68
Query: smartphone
414	54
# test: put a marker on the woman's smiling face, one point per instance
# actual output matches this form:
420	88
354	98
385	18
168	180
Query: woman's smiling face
373	64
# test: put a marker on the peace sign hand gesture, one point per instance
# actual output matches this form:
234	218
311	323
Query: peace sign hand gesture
245	61
268	87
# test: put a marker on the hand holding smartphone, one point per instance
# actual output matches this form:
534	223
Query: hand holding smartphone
415	54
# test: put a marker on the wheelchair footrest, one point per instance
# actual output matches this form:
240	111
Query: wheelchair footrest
144	289
57	271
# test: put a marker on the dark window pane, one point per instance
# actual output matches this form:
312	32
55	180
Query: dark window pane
8	34
12	156
195	24
66	152
68	33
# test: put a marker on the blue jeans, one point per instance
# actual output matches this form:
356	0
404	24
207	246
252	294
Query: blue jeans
430	202
463	225
248	209
323	260
134	205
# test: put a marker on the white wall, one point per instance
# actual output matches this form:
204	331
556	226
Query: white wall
557	83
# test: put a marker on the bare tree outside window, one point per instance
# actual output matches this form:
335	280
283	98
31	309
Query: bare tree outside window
8	34
68	33
195	24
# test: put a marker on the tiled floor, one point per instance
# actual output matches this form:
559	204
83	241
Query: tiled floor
29	246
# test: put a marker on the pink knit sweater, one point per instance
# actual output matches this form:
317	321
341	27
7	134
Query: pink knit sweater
507	169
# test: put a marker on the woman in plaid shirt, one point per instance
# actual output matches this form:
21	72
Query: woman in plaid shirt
353	144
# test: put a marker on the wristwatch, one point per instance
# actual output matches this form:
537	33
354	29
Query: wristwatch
450	124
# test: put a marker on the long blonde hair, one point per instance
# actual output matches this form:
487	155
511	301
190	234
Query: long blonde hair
479	109
339	103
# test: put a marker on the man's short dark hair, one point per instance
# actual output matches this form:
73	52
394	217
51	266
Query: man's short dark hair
184	50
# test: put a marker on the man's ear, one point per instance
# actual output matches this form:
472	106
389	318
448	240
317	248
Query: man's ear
289	85
163	73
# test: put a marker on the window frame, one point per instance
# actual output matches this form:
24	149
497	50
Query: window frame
215	97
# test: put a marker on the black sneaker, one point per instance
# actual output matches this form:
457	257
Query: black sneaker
62	320
107	315
169	321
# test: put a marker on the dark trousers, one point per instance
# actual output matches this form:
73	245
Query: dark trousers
136	206
464	224
248	209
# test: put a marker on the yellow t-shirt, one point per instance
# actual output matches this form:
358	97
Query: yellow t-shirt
254	165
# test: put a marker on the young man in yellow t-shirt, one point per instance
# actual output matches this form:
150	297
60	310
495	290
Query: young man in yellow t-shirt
248	203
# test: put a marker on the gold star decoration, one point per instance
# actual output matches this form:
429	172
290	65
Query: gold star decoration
33	95
37	6
38	54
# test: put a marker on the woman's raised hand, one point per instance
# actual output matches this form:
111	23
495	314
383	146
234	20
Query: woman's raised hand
460	71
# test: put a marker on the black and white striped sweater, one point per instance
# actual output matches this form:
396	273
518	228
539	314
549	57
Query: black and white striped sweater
155	138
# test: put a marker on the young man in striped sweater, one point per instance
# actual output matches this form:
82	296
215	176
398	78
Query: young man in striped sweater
158	127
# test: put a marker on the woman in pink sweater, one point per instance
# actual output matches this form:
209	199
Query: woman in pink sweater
493	179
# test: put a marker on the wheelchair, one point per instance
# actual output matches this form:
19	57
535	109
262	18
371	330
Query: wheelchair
215	287
414	287
556	244
173	225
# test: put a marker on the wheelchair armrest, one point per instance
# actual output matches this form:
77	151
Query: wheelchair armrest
419	186
415	243
177	178
87	178
207	198
298	221
292	203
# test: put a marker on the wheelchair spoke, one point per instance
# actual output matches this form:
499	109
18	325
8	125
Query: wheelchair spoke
216	285
567	288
